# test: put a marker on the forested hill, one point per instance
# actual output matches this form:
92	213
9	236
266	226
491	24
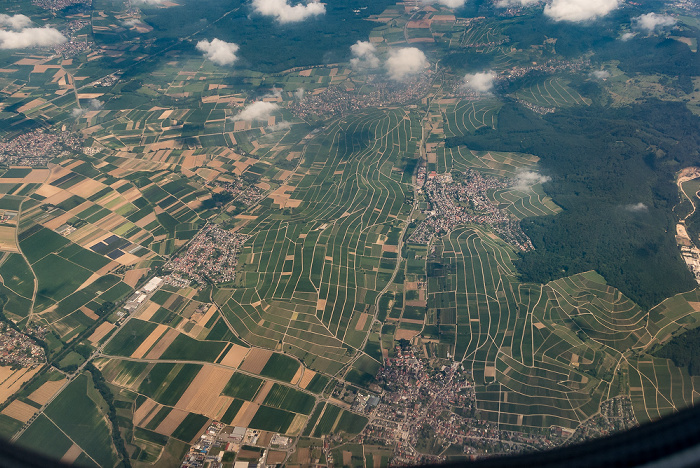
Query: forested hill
612	171
683	350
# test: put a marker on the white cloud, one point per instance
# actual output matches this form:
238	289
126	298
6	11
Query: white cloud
15	22
627	36
526	179
405	62
511	3
258	110
275	93
283	12
148	2
364	57
479	82
131	22
218	51
601	74
31	37
299	94
92	105
579	10
651	22
637	207
448	3
283	125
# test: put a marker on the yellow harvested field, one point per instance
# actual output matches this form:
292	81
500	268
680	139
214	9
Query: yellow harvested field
48	190
58	198
36	176
202	396
262	394
171	422
7	239
71	455
275	458
89	313
304	455
297	425
89	95
223	402
235	356
12	380
239	125
162	344
306	378
245	414
148	343
144	410
100	332
43	394
207	316
87	188
20	411
402	334
297	376
283	199
361	322
256	360
148	312
31	105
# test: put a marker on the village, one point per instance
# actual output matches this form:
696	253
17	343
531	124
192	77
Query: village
452	203
211	256
19	350
427	407
338	100
37	147
60	4
241	191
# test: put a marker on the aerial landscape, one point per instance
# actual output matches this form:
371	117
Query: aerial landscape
243	233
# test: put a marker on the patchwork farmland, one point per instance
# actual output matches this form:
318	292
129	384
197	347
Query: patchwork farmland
188	272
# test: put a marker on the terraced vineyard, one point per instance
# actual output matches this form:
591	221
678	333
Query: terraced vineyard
312	277
552	92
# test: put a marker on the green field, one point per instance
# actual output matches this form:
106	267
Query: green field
272	419
166	383
190	427
188	349
327	421
242	386
130	336
351	423
280	367
77	413
45	438
17	276
287	398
